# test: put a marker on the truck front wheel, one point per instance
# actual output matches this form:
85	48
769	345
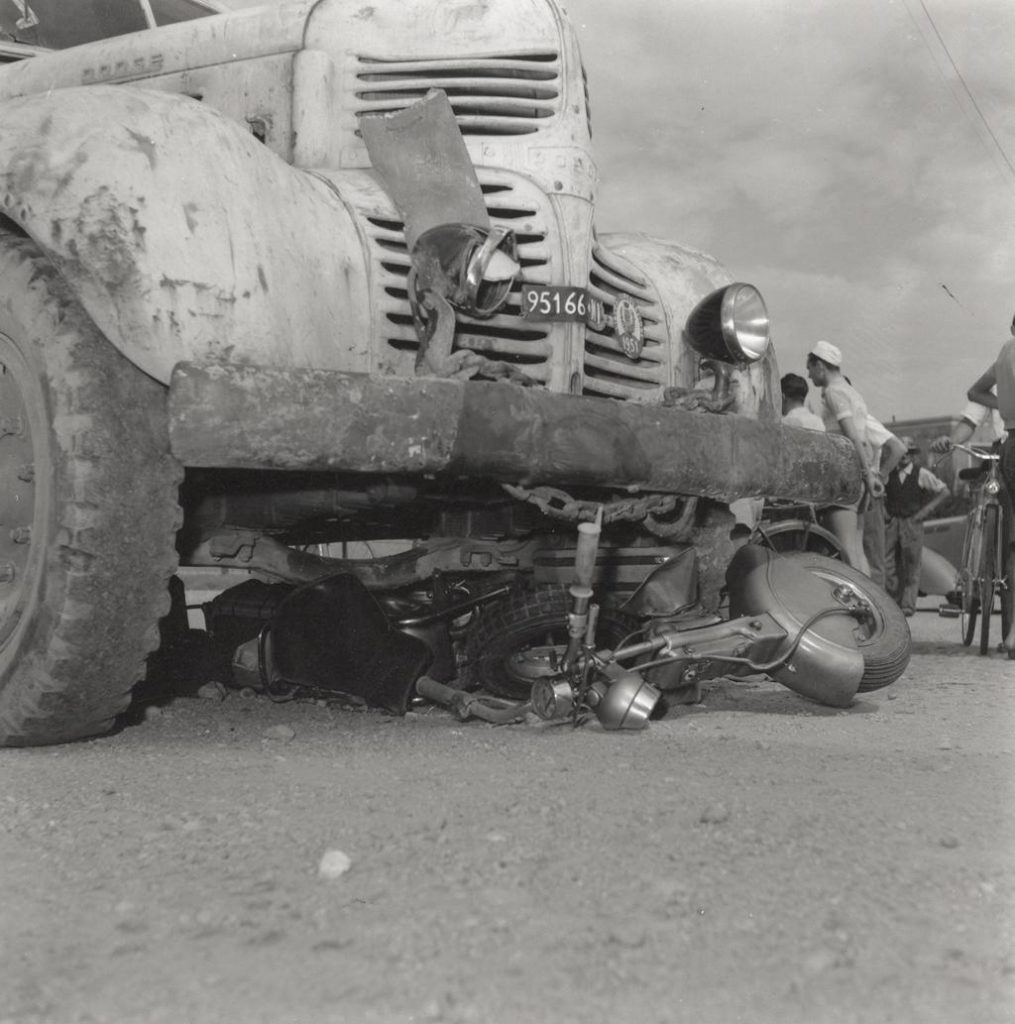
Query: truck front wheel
88	511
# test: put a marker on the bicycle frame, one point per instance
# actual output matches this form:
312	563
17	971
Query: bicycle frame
985	567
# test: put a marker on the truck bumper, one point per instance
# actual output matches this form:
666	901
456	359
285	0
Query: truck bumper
253	417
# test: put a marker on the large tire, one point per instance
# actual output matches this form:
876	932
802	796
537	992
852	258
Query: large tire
88	507
883	637
520	638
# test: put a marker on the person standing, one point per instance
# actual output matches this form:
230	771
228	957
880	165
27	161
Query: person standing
994	389
794	404
844	411
888	453
911	494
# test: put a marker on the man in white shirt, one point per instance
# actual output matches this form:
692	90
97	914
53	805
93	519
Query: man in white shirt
844	411
911	494
794	404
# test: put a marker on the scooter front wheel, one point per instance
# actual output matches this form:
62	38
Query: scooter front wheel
881	633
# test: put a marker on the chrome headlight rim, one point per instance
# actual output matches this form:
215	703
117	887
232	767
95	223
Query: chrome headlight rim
731	324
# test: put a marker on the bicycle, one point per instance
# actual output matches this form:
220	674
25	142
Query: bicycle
986	563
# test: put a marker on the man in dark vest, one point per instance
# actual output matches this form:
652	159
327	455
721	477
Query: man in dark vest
912	492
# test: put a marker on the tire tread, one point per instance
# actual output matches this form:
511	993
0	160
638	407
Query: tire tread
116	488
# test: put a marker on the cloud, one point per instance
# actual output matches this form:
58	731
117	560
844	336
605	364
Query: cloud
831	154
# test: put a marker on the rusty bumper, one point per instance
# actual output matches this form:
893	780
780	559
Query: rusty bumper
251	417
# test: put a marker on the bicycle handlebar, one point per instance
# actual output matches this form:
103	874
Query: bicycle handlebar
977	453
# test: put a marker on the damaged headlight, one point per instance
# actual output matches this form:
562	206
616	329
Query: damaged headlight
731	325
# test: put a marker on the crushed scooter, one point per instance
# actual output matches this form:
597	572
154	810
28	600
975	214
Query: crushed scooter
811	623
808	622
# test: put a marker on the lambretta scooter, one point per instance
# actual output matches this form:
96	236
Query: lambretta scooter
812	623
805	621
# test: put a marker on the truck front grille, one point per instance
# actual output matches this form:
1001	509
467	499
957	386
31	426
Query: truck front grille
504	336
609	373
505	95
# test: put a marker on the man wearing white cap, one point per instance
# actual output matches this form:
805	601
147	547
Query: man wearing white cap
844	411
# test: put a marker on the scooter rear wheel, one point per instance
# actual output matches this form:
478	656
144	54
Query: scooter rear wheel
882	635
524	637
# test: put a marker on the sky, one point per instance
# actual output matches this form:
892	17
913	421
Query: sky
854	160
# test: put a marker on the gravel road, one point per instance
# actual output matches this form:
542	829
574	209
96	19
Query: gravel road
754	859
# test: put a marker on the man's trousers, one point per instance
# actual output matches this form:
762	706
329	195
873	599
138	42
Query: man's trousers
903	548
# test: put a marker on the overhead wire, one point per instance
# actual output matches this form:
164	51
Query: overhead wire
965	98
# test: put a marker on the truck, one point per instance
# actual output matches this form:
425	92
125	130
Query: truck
316	288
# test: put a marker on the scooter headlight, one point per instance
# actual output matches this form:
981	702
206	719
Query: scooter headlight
731	325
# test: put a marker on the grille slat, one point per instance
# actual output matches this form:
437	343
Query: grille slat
532	67
466	107
607	371
529	351
614	364
461	88
505	95
653	353
612	283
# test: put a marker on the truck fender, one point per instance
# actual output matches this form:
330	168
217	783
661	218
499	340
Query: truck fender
182	235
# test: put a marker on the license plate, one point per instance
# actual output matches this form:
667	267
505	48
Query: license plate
556	302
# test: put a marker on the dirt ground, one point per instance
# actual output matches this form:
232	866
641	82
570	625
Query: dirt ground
754	859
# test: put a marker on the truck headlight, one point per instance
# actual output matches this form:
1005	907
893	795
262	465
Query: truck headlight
731	324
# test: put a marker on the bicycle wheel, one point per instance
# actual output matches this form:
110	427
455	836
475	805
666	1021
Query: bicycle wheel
989	573
968	594
1006	561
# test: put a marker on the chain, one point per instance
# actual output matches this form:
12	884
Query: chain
558	504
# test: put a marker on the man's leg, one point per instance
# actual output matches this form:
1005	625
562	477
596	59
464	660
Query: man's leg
892	578
910	549
844	523
874	540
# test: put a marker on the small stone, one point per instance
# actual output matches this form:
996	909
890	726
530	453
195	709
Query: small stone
213	690
628	936
949	842
152	712
715	814
821	960
248	693
333	865
283	733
